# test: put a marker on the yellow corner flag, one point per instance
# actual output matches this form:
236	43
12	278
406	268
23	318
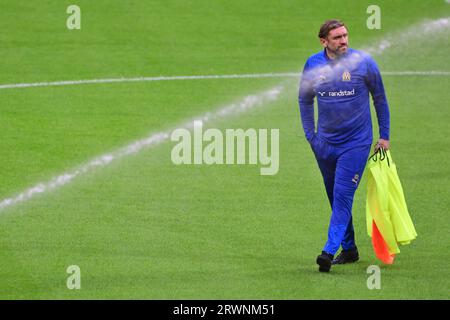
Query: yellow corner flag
388	219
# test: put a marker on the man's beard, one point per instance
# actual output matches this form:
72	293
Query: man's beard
338	51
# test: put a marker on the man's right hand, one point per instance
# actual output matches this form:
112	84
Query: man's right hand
382	144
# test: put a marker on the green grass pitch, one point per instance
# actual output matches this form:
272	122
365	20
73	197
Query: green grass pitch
143	228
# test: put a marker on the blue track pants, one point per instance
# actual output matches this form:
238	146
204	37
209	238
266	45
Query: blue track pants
342	168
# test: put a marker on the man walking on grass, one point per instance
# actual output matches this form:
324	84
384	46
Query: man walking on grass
341	79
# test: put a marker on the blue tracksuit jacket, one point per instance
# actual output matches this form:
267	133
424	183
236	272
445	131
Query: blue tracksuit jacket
342	89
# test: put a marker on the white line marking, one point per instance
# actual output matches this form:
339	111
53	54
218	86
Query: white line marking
198	77
416	73
144	79
248	103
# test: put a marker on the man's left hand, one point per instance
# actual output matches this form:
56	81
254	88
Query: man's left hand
382	144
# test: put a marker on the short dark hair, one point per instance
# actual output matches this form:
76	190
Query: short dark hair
329	25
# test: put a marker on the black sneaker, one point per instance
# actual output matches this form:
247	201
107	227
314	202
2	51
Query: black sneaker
324	261
346	256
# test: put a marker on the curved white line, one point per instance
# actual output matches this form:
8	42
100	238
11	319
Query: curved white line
246	104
